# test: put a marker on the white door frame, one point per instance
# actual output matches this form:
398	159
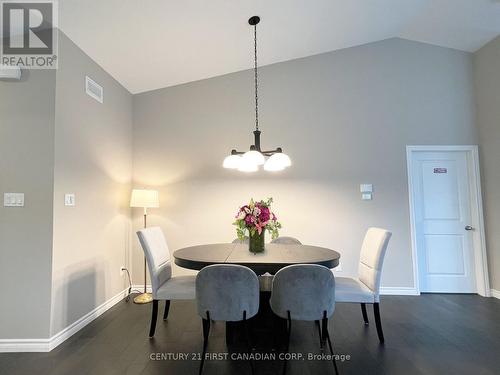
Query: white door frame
478	240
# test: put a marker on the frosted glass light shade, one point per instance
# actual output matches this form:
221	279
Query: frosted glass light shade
144	198
232	162
273	165
277	162
282	158
254	157
247	165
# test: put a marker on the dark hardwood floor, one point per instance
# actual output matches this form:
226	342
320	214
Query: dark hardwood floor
429	334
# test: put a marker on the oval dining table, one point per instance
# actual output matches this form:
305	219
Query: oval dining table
267	328
275	256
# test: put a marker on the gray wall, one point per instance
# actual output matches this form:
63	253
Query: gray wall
26	166
344	117
93	159
487	86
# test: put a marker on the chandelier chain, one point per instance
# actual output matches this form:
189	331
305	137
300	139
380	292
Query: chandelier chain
256	80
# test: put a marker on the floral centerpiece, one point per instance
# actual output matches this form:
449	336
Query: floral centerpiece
255	218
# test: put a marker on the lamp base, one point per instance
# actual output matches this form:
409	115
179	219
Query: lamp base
143	298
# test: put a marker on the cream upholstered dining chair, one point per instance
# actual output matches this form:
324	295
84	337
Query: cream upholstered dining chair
164	286
305	292
218	302
366	288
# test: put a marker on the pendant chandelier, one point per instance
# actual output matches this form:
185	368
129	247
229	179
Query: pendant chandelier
251	160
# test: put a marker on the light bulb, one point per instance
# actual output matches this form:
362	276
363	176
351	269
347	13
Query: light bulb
232	161
254	157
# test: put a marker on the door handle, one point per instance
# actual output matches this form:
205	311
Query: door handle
468	227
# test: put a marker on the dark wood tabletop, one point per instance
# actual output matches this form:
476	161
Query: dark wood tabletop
275	256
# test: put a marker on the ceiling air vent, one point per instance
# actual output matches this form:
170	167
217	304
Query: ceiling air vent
93	89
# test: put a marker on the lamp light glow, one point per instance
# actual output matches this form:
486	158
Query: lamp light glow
247	165
232	162
253	157
282	158
277	162
273	166
144	198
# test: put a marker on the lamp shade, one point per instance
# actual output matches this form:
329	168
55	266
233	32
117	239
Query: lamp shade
144	198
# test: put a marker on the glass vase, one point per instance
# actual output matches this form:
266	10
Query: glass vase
256	242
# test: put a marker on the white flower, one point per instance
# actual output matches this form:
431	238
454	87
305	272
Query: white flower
241	215
256	211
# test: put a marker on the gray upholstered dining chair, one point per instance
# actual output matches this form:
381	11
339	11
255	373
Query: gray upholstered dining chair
366	288
226	292
164	286
305	292
287	240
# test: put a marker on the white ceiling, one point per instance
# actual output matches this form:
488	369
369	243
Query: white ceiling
149	44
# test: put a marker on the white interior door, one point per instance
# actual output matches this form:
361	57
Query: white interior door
443	221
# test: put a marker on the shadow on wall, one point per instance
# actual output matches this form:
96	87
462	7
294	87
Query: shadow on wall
76	294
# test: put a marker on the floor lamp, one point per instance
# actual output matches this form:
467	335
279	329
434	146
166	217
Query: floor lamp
144	199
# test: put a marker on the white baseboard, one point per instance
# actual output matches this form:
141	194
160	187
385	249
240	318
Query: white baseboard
397	291
24	345
495	293
46	345
73	328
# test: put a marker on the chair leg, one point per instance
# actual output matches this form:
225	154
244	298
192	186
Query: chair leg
287	348
316	322
324	329
249	342
167	308
206	332
365	315
378	323
331	351
154	315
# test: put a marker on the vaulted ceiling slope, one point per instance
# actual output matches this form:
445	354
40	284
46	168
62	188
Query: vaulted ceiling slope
152	44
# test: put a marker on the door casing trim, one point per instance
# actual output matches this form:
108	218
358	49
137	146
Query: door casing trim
479	242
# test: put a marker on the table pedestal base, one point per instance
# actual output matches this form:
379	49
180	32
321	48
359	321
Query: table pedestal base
266	330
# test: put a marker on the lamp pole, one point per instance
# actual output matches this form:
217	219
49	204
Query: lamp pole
144	198
144	297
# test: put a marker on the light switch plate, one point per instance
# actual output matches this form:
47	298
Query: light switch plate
69	199
13	199
366	188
